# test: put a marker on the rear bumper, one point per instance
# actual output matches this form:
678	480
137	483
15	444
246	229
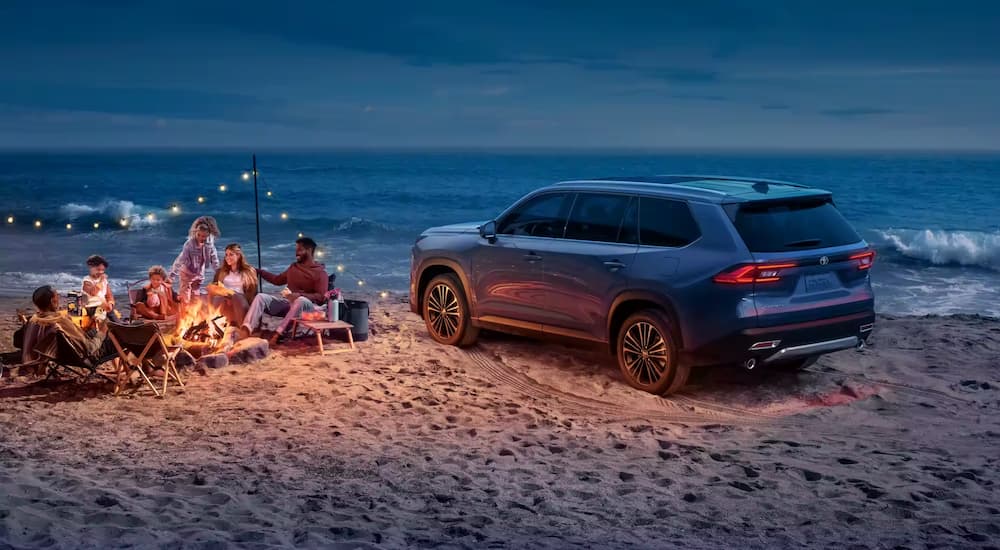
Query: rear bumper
787	342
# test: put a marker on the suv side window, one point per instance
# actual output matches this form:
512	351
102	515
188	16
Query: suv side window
542	216
666	222
597	217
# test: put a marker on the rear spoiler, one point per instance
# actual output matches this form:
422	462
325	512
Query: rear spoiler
732	208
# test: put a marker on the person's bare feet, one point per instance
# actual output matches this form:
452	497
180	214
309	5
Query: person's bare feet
244	333
273	340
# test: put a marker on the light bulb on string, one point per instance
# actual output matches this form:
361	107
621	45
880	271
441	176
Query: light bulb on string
340	268
222	188
175	209
10	219
151	217
69	226
201	200
384	294
284	215
38	223
97	225
246	176
268	193
361	283
300	234
123	222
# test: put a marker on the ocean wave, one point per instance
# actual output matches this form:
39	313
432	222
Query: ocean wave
115	213
941	247
21	283
356	225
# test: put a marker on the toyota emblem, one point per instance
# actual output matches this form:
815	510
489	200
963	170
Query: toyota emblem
823	260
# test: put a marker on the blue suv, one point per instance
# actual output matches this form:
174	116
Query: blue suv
669	272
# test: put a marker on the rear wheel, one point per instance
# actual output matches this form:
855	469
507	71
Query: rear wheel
446	312
647	353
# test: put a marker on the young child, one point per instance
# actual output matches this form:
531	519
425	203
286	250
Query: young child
157	299
198	253
97	289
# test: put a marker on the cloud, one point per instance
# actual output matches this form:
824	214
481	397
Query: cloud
858	112
774	107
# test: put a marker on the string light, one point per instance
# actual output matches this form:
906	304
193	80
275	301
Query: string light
319	253
123	222
340	268
246	176
10	219
96	225
69	226
38	223
284	215
175	209
268	193
201	200
222	188
361	283
151	217
384	294
300	234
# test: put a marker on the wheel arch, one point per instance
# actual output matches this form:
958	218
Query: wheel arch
629	302
432	267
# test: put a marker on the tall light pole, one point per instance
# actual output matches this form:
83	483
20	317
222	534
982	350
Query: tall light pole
256	207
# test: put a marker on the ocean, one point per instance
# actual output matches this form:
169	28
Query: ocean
934	218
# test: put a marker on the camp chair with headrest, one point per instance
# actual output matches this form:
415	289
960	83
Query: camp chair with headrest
138	344
64	357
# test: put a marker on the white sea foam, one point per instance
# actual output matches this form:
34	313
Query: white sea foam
113	211
939	247
17	283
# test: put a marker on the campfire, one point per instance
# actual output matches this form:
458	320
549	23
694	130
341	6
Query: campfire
204	329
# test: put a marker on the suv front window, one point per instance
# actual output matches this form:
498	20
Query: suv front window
543	216
597	217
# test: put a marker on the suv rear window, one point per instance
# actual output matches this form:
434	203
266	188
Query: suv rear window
664	222
793	225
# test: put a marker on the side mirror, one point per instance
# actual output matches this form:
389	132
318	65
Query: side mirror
488	231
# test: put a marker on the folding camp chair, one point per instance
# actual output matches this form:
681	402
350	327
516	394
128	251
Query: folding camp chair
63	357
135	292
137	345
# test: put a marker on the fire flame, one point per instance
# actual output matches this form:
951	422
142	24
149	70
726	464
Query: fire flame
204	323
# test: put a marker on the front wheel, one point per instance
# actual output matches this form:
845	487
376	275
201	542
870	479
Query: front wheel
446	312
647	354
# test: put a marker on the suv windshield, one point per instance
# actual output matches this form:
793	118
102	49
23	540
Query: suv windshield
793	225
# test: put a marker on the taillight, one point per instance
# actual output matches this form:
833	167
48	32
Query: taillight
865	259
752	273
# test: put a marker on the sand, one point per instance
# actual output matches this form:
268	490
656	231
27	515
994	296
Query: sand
519	444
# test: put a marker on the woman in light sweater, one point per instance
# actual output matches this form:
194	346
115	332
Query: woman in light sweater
234	285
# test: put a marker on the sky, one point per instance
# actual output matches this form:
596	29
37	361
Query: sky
796	74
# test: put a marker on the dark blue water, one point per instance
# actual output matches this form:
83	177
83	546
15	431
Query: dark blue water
934	218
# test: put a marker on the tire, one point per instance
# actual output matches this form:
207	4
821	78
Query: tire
657	370
446	312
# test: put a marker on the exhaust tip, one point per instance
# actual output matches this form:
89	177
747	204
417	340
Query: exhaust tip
861	345
750	364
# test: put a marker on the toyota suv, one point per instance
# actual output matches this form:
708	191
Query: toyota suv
669	272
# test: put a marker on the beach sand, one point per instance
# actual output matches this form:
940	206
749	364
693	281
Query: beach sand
516	443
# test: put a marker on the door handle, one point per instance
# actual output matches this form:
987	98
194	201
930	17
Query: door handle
532	258
614	265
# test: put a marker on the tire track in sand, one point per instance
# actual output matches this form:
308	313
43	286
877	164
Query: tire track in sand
674	409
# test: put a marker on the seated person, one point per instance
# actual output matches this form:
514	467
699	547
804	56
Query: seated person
234	285
307	282
49	319
156	300
97	289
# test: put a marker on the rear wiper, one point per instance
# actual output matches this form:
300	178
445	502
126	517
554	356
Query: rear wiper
803	242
